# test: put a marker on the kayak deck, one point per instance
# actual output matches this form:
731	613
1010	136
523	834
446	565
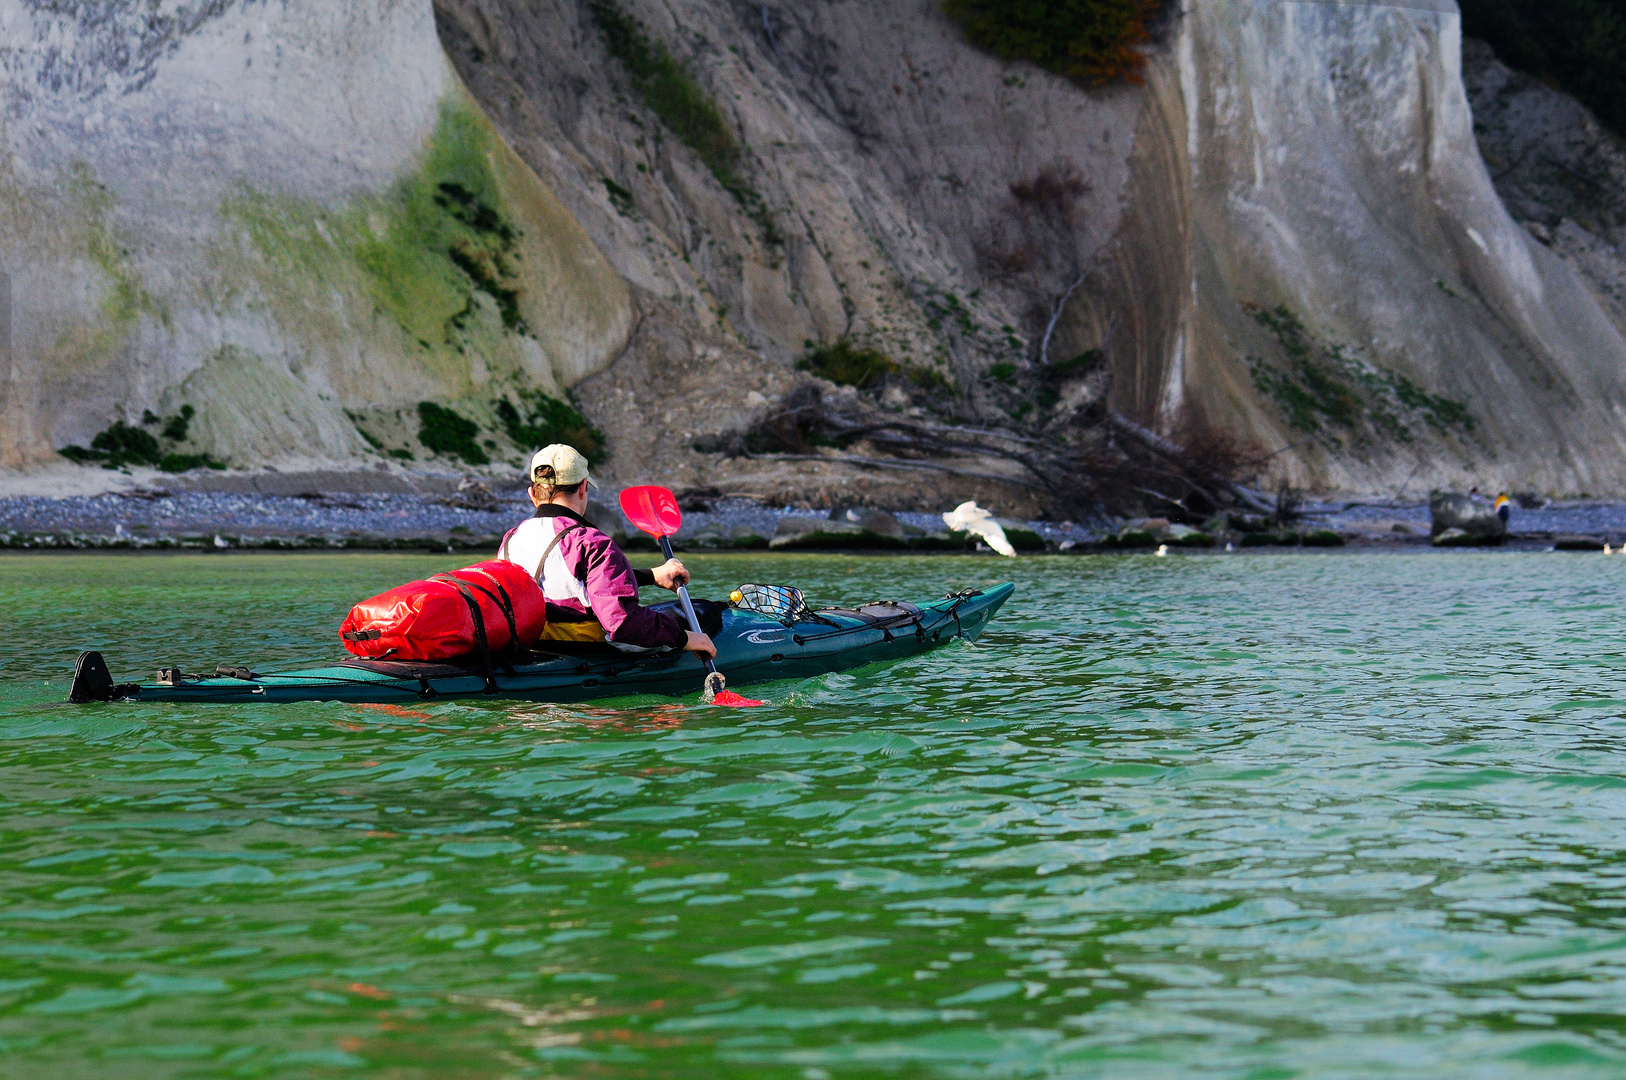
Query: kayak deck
751	648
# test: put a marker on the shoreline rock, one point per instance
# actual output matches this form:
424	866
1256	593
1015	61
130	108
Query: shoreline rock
1475	520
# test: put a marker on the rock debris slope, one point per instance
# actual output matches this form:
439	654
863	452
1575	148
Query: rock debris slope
302	219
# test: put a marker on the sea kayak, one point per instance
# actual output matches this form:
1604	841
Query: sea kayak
752	647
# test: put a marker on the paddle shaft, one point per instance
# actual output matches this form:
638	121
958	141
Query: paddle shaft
688	608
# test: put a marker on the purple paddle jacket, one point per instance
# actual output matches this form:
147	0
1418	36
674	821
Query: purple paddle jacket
588	578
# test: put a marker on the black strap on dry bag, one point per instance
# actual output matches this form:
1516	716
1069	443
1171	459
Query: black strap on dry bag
482	646
505	604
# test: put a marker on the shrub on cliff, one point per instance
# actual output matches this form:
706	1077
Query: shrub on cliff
446	432
123	445
669	90
1089	41
546	420
1577	45
846	364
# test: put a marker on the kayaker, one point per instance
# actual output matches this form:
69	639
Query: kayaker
590	588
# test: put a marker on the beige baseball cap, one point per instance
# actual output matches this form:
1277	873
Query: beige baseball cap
569	467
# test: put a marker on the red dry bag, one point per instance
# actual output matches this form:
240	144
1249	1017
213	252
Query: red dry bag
479	609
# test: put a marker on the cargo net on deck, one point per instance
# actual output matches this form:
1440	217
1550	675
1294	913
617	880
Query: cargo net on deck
776	601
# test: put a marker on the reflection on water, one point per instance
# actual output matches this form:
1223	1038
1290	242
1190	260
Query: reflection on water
1250	816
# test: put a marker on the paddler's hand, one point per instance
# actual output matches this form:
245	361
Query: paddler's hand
670	574
700	643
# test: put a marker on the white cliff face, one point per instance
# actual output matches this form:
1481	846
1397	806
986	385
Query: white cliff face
293	217
1335	174
210	203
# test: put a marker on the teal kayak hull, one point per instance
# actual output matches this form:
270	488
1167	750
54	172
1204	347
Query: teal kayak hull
751	648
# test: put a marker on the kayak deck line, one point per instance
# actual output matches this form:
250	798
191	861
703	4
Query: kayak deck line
751	648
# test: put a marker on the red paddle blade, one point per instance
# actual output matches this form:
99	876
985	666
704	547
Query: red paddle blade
652	509
736	701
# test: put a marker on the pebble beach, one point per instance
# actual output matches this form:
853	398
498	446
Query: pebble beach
159	519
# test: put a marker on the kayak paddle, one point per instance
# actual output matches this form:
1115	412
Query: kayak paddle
655	511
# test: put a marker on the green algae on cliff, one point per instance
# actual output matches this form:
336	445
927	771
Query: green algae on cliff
1323	387
683	105
466	273
92	341
124	299
428	250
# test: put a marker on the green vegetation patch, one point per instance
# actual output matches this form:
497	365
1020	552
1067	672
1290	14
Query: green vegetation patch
539	420
124	298
1577	45
620	197
449	433
682	104
1323	390
426	249
1440	412
1088	41
1078	364
116	447
122	445
487	255
846	364
670	91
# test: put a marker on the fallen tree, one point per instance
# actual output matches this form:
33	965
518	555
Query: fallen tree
1114	466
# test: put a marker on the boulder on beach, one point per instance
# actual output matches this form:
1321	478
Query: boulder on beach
1140	534
878	522
1021	535
1457	538
1322	538
1282	538
1186	536
608	519
1475	519
1134	538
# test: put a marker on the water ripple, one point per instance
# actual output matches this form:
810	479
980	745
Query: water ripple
1263	815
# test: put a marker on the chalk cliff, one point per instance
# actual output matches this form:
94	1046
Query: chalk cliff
1336	179
302	220
264	211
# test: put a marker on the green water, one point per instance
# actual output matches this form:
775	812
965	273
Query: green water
1253	816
